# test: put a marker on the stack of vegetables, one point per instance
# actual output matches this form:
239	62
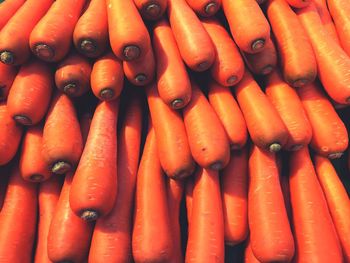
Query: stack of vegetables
171	130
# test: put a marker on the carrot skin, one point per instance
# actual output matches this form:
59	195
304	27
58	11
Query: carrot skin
7	76
205	8
249	256
8	9
151	9
298	3
189	198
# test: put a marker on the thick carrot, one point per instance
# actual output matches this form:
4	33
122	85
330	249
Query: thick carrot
228	66
18	220
172	143
90	34
337	200
195	45
173	83
265	126
7	76
151	217
229	113
107	77
69	237
129	38
332	61
249	27
189	198
296	54
249	256
49	193
286	101
62	140
10	135
206	231
51	38
8	9
111	240
30	93
151	9
205	7
298	3
234	194
14	36
330	137
314	232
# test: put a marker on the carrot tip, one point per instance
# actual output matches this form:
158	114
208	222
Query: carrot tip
131	52
140	78
89	215
24	120
258	44
36	178
7	57
153	10
297	147
70	89
107	94
231	80
44	52
211	8
275	147
87	46
177	104
300	83
335	155
266	70
61	167
203	66
216	166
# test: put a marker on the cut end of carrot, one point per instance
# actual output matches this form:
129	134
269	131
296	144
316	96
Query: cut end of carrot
87	46
44	52
266	70
24	120
131	52
106	94
258	44
216	166
211	8
231	80
140	78
203	66
296	147
7	57
300	83
89	215
275	147
61	167
36	178
71	89
177	104
335	155
153	10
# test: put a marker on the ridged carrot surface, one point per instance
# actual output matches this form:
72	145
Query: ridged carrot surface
8	9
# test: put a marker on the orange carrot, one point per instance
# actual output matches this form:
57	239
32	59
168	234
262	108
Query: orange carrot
265	126
314	232
330	137
206	231
205	7
14	36
189	198
249	256
90	34
107	77
173	83
229	113
85	123
18	220
7	76
195	45
151	9
172	143
228	66
298	3
62	153
8	9
50	39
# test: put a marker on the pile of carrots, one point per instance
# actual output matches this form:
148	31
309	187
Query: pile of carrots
172	130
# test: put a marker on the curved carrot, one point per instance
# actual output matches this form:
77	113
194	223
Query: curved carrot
7	76
189	198
8	9
107	77
90	34
151	9
195	45
205	7
229	113
62	141
173	83
228	66
249	256
172	143
14	36
315	236
298	3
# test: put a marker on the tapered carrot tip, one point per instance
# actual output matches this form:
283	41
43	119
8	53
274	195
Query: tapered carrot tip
335	155
153	10
24	120
211	8
296	147
107	94
87	46
275	147
131	52
6	57
70	89
36	178
231	80
258	44
61	167
267	70
44	51
89	215
177	104
300	83
140	78
216	166
203	66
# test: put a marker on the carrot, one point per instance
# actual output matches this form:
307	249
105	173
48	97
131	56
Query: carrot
151	217
205	7
265	126
189	198
195	45
7	76
228	66
14	36
314	232
111	240
249	27
298	3
332	61
50	39
206	231
62	153
69	236
234	194
337	200
90	35
249	256
49	193
107	77
10	135
330	137
172	143
173	83
129	38
30	93
8	9
18	220
229	113
85	123
286	101
151	9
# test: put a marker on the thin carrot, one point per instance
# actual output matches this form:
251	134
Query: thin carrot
151	9
195	45
85	123
7	76
8	9
189	198
14	36
205	7
298	3
249	256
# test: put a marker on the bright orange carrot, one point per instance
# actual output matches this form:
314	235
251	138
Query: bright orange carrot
298	3
90	34
206	231
229	113
228	66
8	9
314	232
189	198
173	83
107	77
195	45
18	220
30	93
330	137
7	76
151	9
249	256
14	36
62	140
265	126
205	7
51	38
